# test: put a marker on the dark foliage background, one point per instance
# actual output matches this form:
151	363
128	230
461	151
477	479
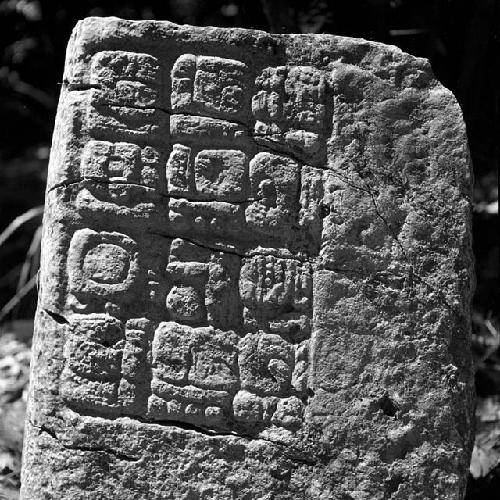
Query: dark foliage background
461	39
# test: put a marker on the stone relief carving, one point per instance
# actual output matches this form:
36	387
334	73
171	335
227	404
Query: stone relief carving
229	343
256	271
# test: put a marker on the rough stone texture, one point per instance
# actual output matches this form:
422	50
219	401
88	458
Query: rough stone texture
256	272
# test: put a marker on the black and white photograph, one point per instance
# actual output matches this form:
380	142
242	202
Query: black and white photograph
249	250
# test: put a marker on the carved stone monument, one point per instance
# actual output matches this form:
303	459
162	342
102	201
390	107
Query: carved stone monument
256	272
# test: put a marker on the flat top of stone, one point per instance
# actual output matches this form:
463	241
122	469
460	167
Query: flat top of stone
256	271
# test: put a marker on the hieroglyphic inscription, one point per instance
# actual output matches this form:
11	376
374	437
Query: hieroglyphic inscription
106	364
289	108
121	162
125	100
101	263
219	336
255	273
210	86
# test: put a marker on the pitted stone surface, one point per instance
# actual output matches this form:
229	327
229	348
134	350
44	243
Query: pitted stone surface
256	272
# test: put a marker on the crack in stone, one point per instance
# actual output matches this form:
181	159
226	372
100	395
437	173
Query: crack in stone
168	111
289	452
63	184
189	427
274	146
47	430
234	252
107	451
109	182
57	317
326	267
66	184
84	448
81	87
171	112
412	273
375	206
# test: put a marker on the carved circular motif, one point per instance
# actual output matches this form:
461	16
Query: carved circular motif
102	264
107	263
184	303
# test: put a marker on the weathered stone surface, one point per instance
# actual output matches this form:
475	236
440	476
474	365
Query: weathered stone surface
256	272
